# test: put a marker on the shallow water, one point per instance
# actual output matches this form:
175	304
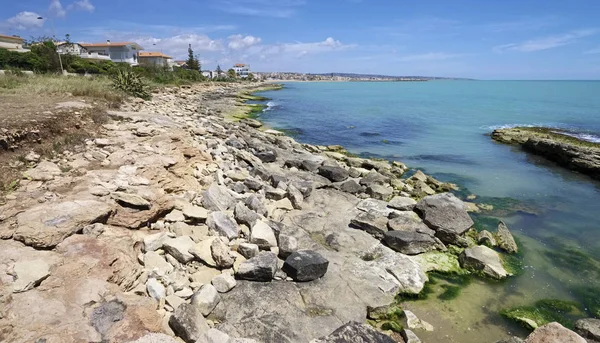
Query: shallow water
441	127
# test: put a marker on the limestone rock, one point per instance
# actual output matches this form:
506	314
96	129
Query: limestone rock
195	213
355	332
484	259
155	289
380	192
351	187
224	282
206	299
175	216
220	253
259	268
295	196
47	225
262	235
402	203
410	242
409	337
248	250
372	223
223	224
413	322
217	198
30	274
375	206
275	193
408	221
155	262
174	301
131	200
287	245
554	333
506	241
486	238
44	171
445	214
244	215
156	338
188	323
179	248
588	328
267	156
203	251
306	265
334	174
255	204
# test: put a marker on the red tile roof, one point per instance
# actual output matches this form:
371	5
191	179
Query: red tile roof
239	65
12	37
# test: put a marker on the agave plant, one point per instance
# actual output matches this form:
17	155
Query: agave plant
131	83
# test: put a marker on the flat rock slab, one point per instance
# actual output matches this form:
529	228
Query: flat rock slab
180	248
355	332
372	223
259	268
484	259
410	243
334	174
131	200
47	225
402	203
446	214
29	274
306	265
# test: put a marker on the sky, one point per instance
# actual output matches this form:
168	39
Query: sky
508	39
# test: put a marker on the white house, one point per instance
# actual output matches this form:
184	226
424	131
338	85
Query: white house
242	70
157	59
12	43
77	49
126	52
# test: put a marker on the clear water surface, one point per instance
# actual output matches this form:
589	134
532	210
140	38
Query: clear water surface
441	127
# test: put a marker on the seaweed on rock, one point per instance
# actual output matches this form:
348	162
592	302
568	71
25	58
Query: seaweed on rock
543	312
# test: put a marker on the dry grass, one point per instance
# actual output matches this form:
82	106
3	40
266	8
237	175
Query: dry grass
98	87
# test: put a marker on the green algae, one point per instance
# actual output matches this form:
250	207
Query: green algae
388	318
589	296
392	326
513	263
556	135
450	292
543	312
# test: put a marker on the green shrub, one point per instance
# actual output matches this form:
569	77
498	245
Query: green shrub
131	83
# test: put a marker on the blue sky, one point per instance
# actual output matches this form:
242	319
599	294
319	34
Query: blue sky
509	39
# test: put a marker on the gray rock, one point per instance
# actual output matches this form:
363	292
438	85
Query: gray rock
588	328
131	200
410	242
408	221
195	213
29	274
287	245
333	173
375	206
255	204
44	171
223	224
445	214
188	323
305	187
306	265
374	178
484	259
206	299
248	250
157	263
380	192
106	315
351	187
240	188
506	241
267	156
310	165
259	268
275	193
355	332
295	197
554	333
253	184
262	235
224	283
179	248
220	253
372	223
174	301
244	215
155	289
203	251
402	203
486	238
215	336
217	198
409	337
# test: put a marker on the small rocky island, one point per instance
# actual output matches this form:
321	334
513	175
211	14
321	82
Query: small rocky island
555	145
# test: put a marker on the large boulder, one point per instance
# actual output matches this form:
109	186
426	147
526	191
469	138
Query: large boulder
333	173
188	323
506	241
259	268
355	332
483	259
306	265
45	226
410	242
554	333
588	328
446	214
223	224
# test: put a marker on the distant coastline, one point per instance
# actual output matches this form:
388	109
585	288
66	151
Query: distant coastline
344	77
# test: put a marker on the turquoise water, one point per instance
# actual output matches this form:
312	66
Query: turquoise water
441	127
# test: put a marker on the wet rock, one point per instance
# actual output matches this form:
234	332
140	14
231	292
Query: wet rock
355	332
206	299
223	224
445	214
413	322
402	203
131	200
486	238
410	242
588	328
351	187
287	245
306	265
409	337
506	241
47	225
259	268
188	323
484	259
334	174
179	248
195	213
217	198
262	235
244	215
554	333
220	253
248	250
372	223
29	274
224	283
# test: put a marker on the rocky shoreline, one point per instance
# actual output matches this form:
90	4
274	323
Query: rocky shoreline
567	151
182	223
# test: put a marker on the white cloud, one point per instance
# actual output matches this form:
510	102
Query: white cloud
237	42
263	8
431	56
177	46
84	5
57	9
546	43
24	21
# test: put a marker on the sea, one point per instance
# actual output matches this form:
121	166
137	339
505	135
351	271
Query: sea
443	128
